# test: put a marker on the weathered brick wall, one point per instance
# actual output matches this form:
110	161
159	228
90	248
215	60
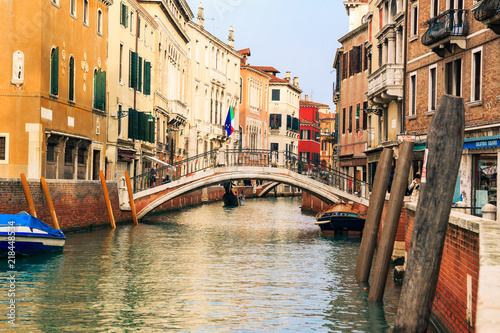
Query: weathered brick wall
460	258
78	204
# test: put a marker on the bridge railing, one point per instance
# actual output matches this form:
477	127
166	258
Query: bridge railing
252	157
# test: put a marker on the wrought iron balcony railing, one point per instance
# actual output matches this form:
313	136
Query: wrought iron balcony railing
452	22
487	9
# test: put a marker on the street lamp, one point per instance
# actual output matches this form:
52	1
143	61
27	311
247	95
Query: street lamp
122	114
377	112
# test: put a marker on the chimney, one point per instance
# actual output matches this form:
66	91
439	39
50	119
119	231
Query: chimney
307	98
231	38
296	81
287	76
200	18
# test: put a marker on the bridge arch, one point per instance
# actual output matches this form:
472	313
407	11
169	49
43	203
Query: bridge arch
147	200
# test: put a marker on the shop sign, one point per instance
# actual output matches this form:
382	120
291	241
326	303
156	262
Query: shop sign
402	138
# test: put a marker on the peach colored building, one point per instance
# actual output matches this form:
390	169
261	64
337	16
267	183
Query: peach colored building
254	103
53	96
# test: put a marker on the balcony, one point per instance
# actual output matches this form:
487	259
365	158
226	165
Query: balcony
386	83
488	12
178	113
447	30
218	77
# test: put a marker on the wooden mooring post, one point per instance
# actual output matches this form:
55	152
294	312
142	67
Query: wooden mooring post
390	228
376	205
131	197
27	194
106	197
52	211
445	142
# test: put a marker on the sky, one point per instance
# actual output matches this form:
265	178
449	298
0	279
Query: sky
290	35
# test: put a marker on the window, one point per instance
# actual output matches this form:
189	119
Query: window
131	22
453	77
355	60
138	27
147	78
275	95
323	145
139	76
274	146
123	15
86	12
357	117
305	134
275	121
99	21
99	90
51	152
343	120
304	156
54	71
476	72
365	115
68	150
413	94
350	119
145	35
72	7
71	93
432	87
434	8
133	70
414	20
4	148
120	68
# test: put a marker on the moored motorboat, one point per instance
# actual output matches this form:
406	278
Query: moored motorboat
340	217
25	235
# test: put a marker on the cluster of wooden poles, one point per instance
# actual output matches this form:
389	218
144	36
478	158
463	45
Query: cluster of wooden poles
444	141
48	199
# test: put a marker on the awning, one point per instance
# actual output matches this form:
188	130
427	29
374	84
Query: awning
482	142
154	159
419	146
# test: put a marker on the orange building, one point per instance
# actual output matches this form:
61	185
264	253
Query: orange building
53	96
253	105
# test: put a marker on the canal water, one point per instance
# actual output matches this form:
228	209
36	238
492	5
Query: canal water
262	267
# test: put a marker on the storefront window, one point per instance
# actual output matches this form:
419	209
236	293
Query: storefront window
485	181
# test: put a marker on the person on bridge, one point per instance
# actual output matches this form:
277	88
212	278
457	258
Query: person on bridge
414	188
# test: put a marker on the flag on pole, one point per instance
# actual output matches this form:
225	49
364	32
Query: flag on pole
229	121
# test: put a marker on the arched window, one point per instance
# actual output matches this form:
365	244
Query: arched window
54	71
71	93
394	8
86	12
99	21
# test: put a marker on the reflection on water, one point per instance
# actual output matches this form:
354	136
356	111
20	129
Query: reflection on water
260	267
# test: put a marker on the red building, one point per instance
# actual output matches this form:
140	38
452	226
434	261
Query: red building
309	142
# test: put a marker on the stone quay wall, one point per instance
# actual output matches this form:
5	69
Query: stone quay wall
465	300
80	205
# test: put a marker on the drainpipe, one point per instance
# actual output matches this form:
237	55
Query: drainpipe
405	54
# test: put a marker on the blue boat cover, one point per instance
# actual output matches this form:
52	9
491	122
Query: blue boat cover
25	220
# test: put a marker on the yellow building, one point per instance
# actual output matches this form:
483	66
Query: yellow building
131	140
53	118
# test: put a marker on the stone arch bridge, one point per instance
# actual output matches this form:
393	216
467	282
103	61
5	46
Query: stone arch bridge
152	189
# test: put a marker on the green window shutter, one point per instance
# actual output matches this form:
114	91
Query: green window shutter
102	91
133	70
54	72
133	122
141	127
147	128
147	78
124	16
139	84
97	87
